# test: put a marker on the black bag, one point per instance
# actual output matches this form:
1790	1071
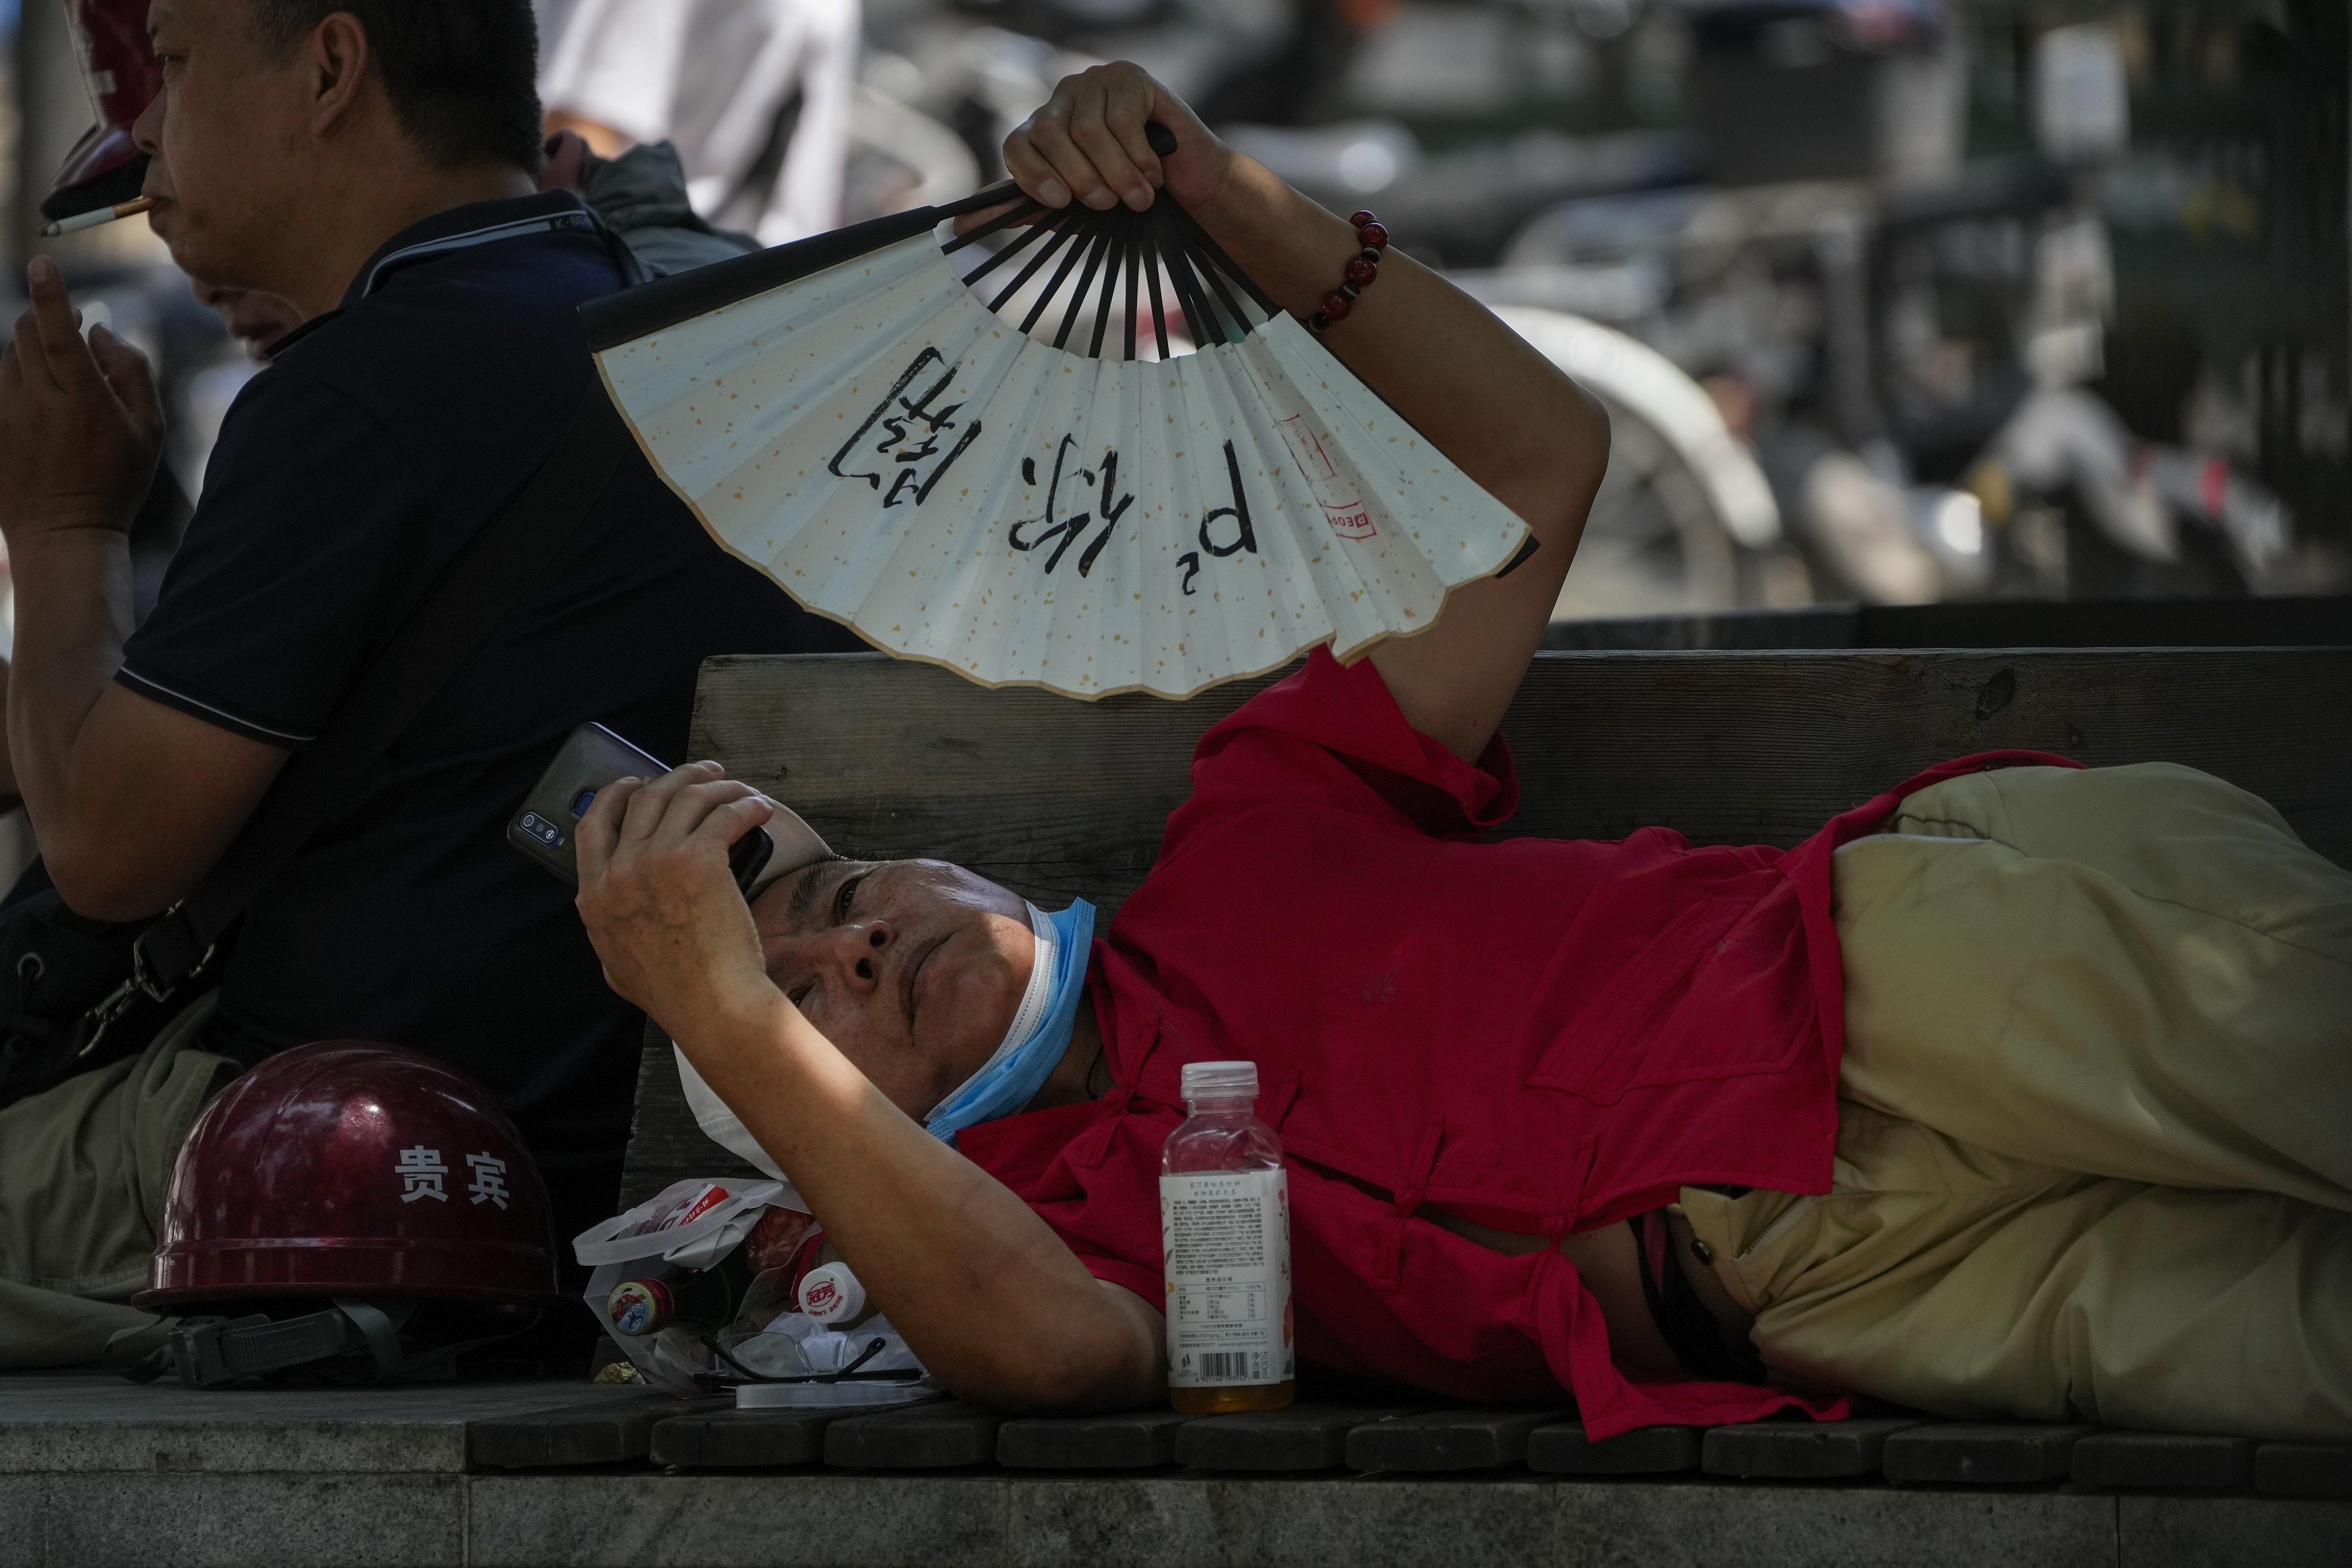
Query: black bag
67	999
76	994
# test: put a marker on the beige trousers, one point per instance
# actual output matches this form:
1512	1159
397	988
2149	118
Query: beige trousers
83	1170
2095	1148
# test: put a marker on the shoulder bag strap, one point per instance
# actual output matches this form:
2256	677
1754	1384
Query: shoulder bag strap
456	618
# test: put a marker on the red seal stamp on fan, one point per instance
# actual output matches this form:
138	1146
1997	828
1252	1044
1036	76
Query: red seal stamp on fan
1346	512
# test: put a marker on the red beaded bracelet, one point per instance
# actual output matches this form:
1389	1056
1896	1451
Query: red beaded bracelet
1359	274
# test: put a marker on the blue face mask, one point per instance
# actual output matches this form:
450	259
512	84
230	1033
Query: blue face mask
1041	1027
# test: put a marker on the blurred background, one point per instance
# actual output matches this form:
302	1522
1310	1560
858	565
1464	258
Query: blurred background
1991	303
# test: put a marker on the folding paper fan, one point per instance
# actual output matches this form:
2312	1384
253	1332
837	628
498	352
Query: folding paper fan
968	455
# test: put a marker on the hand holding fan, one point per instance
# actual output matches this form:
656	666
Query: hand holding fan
1004	461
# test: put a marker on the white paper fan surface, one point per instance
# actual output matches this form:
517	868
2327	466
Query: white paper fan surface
899	456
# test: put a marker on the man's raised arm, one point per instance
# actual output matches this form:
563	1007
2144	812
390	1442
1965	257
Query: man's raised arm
131	801
988	1297
1529	436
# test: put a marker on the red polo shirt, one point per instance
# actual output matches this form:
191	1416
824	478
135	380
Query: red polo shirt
1540	1034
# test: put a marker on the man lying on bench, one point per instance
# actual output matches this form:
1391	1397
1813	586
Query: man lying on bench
2021	1088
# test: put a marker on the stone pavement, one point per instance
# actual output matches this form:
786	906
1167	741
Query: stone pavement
96	1471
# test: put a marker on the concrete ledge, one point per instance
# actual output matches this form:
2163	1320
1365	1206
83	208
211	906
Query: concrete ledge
232	1521
78	1423
2254	1531
95	1473
1194	1521
1186	1520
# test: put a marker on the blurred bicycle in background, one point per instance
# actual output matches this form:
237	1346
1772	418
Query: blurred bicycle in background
1890	301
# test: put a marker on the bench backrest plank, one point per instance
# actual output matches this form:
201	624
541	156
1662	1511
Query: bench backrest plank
1055	798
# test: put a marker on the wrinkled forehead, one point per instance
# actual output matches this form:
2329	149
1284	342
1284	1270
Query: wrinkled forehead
800	901
796	901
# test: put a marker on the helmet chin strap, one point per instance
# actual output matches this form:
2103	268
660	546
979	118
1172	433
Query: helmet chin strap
216	1352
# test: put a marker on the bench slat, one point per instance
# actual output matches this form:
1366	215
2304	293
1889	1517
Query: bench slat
1303	1437
1053	797
1970	1453
1800	1450
2303	1469
746	1439
608	1433
2315	620
921	1437
1565	1450
1131	1440
2132	1459
1059	797
1468	1439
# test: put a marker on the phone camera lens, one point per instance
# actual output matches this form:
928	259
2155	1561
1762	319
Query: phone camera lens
580	805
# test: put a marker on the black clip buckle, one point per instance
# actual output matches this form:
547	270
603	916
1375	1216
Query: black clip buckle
141	982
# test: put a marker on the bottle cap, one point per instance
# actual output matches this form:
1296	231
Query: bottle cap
832	1294
640	1306
1221	1081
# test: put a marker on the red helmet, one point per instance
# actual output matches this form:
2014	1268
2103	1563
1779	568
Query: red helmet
122	75
352	1169
383	1181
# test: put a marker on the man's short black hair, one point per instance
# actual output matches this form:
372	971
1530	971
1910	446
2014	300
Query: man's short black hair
462	74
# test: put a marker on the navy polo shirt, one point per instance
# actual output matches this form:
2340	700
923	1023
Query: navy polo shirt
347	478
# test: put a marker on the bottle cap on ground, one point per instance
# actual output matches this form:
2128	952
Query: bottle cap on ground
832	1294
1221	1081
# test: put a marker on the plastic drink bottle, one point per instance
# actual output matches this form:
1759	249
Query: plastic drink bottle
831	1294
704	1299
1225	1231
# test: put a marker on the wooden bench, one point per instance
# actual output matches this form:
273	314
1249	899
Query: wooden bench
2303	621
1055	798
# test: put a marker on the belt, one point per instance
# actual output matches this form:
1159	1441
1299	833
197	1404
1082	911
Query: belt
1702	1322
1699	1262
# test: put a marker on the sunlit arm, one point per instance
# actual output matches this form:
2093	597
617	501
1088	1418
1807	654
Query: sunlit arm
986	1294
1506	416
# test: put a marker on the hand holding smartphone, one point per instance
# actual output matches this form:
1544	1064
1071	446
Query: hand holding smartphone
592	758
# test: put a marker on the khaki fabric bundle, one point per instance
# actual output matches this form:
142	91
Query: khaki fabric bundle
2094	1158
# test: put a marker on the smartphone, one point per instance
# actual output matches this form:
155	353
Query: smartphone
593	757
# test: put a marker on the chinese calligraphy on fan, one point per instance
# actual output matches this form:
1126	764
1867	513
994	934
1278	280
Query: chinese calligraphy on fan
1056	524
1245	537
1222	531
913	436
912	429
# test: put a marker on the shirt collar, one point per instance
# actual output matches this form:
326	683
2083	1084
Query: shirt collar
475	222
455	228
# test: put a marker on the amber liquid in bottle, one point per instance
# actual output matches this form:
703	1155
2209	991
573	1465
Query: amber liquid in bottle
1233	1401
1225	1209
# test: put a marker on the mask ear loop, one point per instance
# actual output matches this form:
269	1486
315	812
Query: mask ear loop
1034	1001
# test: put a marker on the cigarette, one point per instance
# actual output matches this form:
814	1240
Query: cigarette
97	216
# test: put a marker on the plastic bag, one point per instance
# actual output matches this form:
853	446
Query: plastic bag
691	1224
793	1345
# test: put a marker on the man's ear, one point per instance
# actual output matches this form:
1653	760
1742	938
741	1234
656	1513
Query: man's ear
335	56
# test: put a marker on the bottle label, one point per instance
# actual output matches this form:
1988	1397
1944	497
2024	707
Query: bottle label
639	1307
1226	1238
